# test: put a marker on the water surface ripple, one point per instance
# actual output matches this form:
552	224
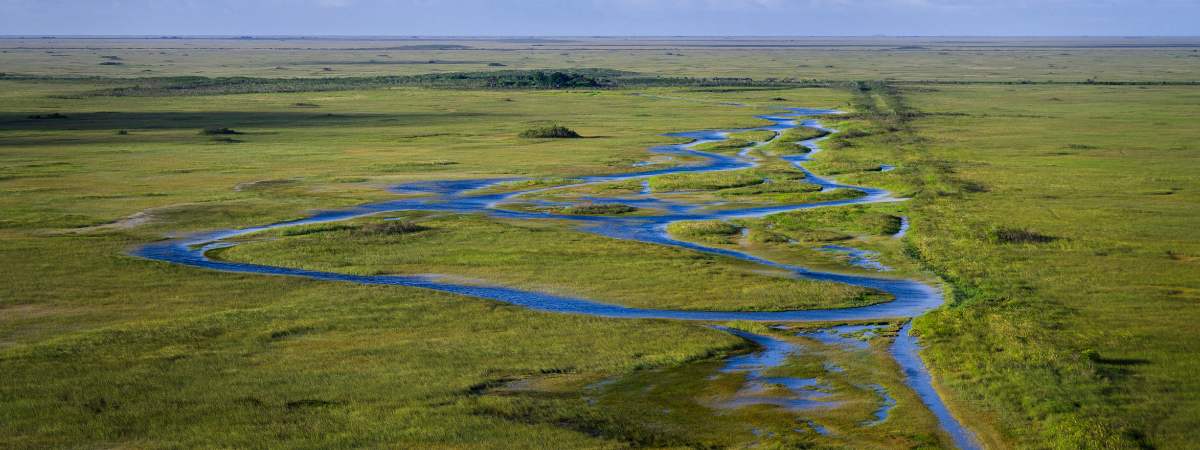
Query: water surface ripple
456	196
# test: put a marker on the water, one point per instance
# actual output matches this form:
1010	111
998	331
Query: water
457	196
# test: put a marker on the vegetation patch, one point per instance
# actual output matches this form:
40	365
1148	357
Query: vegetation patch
1011	235
554	131
48	116
597	209
704	181
781	147
858	219
392	227
703	228
216	130
803	134
754	135
410	166
723	146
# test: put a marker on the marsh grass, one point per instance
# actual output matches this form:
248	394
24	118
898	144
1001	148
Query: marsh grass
598	209
754	135
546	258
802	134
1007	348
866	219
725	146
730	179
702	228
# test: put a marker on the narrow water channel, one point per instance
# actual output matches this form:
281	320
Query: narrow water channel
912	298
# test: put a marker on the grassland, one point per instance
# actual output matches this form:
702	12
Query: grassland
1081	340
541	257
1075	342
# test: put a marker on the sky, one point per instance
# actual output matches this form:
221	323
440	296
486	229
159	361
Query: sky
602	17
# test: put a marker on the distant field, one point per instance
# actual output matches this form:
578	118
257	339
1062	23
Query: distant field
958	59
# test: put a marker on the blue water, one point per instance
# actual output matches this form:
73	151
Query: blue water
458	196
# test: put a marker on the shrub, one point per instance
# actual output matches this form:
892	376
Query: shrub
555	131
598	209
215	130
122	132
391	227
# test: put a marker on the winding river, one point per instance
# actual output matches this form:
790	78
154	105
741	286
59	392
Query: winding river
912	298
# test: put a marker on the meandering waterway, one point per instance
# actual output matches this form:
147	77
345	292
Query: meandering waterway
912	298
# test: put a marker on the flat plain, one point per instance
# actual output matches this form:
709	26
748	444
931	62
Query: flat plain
1053	196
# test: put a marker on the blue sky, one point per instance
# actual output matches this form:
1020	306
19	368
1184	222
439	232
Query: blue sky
603	18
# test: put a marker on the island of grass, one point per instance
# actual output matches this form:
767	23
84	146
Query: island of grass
545	257
554	131
754	135
803	134
522	185
725	146
718	181
598	209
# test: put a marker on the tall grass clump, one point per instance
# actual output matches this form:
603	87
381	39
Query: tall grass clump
1011	235
216	130
391	227
702	228
597	209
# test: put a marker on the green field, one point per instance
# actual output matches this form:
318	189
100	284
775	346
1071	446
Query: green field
1060	219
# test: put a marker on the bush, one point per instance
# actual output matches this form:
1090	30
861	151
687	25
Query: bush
555	131
122	132
598	209
215	130
391	227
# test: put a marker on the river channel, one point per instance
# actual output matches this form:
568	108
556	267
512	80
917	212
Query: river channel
912	298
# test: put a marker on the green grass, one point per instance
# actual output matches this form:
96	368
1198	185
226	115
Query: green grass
1081	340
754	135
704	181
107	349
703	228
593	209
783	147
802	134
865	219
1091	171
725	146
544	257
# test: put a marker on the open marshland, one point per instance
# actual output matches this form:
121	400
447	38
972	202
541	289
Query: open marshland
1058	220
